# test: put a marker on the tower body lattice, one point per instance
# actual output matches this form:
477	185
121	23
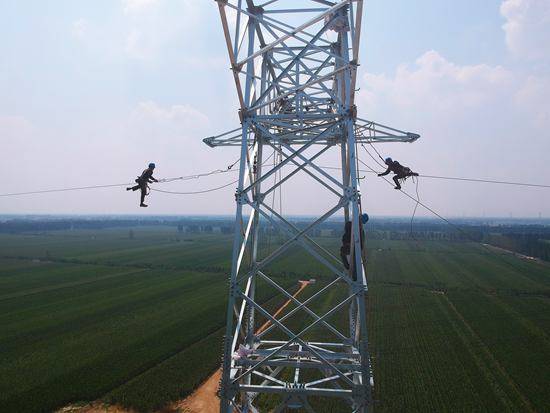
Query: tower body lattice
294	63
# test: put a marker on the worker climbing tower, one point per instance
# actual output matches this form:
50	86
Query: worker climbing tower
294	64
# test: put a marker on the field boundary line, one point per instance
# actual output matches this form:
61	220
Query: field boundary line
490	355
144	266
524	321
544	294
69	284
516	254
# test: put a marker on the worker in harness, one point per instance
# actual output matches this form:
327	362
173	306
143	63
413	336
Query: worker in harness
346	248
142	183
400	171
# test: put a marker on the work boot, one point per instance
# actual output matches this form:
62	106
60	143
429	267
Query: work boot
397	187
143	205
129	188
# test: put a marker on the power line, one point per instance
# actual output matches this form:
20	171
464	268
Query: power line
454	178
488	181
45	191
456	227
220	171
165	180
417	200
378	153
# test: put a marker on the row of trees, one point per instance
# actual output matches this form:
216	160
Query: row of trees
532	244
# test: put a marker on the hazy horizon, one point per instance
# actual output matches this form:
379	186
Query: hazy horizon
542	219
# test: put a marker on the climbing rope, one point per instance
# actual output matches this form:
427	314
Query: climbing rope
421	203
415	180
165	180
204	191
229	169
456	227
375	150
197	176
453	178
373	158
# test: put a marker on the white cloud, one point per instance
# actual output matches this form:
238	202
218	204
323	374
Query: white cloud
136	46
152	25
143	29
533	98
184	116
436	85
475	120
137	6
14	127
26	149
527	27
180	128
80	28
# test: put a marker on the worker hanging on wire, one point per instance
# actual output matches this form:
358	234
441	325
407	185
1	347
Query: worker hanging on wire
401	172
143	182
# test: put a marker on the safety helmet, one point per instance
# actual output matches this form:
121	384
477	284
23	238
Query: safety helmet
152	165
364	218
388	161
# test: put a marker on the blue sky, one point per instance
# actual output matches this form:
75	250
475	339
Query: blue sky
90	92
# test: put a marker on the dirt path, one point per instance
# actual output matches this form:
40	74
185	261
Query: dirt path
303	284
517	254
204	399
94	408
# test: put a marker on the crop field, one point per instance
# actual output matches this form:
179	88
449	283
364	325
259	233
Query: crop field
135	317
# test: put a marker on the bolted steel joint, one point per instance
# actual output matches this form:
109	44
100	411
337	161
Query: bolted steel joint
227	391
241	198
359	288
353	112
350	113
244	115
256	10
259	198
234	288
351	194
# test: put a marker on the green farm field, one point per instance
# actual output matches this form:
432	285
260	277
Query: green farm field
136	318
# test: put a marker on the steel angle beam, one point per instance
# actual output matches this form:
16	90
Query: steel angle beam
294	64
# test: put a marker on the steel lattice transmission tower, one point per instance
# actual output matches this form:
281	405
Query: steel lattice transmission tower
294	64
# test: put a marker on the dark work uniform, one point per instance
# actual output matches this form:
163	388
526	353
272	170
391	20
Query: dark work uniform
400	172
345	249
142	181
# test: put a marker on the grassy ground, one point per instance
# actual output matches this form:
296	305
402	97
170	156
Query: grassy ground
138	320
455	327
